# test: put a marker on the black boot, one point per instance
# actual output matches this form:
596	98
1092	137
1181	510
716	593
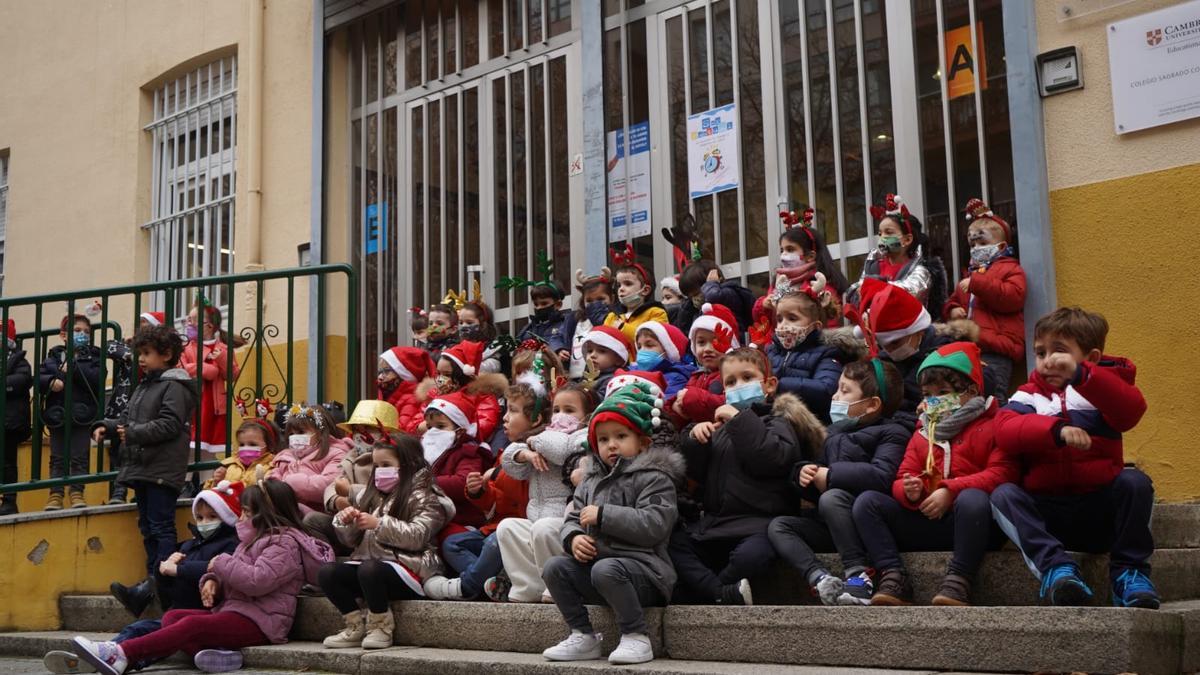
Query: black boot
134	598
8	505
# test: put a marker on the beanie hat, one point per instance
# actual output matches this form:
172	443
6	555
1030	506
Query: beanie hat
963	357
631	406
712	318
976	209
610	338
410	363
673	341
225	498
154	318
458	408
468	356
652	382
670	283
889	311
11	330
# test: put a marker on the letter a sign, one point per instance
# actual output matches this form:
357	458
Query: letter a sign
961	61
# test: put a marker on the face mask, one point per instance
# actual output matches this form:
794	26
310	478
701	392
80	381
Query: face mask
839	411
791	335
471	333
632	301
436	442
889	244
207	530
939	407
982	255
444	384
387	478
12	344
596	306
301	444
745	395
902	353
789	260
648	360
246	531
249	455
81	339
192	332
544	314
564	422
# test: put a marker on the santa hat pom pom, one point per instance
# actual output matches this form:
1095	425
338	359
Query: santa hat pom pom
468	370
706	308
224	487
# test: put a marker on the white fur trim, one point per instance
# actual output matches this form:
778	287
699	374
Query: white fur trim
1052	406
671	283
395	365
922	322
455	414
608	342
531	378
664	338
626	380
150	319
468	369
710	322
217	504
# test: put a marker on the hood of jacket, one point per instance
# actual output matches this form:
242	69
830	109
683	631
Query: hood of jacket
654	458
809	429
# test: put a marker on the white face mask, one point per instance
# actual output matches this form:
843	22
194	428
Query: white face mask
301	444
789	260
902	353
436	442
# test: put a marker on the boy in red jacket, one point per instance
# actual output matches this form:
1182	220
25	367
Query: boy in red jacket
712	334
1065	428
939	499
992	294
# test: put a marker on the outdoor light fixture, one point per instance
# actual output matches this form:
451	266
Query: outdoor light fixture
304	254
1058	71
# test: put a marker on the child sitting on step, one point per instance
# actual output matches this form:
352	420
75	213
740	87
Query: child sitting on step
617	535
257	443
661	348
712	334
401	370
1075	491
313	457
459	371
249	595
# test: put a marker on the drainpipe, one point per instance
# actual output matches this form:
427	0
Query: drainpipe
253	145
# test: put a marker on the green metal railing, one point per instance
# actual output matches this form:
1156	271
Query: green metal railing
257	346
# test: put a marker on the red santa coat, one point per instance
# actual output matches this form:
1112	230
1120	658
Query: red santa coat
996	303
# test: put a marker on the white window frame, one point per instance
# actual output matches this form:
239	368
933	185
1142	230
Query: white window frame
4	160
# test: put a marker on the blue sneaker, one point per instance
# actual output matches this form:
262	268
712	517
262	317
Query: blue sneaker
1063	587
1133	589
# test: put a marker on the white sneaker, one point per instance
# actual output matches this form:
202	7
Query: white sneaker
65	663
106	657
829	588
578	646
743	587
634	648
441	588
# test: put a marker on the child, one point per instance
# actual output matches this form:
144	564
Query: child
617	535
802	254
154	431
453	453
69	446
861	453
711	336
635	294
660	349
206	337
257	442
939	498
740	463
596	294
1065	425
704	283
804	364
18	377
672	298
901	257
418	325
536	365
527	543
458	370
992	294
443	330
401	369
249	596
313	457
475	322
392	527
549	322
608	349
121	355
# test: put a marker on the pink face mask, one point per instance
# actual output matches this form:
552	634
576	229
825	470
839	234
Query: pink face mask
563	422
248	455
387	478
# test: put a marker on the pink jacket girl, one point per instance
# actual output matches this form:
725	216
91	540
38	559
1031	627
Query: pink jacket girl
312	460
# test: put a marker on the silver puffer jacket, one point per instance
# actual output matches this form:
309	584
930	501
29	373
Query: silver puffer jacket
923	278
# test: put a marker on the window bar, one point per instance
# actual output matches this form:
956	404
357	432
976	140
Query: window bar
737	100
428	299
424	60
361	204
952	210
810	171
442	69
508	186
709	52
458	57
211	261
546	36
835	127
869	194
530	252
550	252
983	166
155	167
442	189
380	192
504	33
624	63
463	281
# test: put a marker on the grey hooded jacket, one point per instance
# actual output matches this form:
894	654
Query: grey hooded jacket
157	428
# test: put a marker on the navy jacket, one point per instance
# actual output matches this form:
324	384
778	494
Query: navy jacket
85	393
557	332
185	587
809	370
861	458
738	298
18	382
676	375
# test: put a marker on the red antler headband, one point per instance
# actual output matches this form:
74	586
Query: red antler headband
803	221
416	309
628	258
895	208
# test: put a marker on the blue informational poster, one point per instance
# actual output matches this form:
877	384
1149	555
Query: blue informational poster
712	149
628	183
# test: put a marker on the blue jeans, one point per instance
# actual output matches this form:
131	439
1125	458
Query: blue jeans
156	520
475	557
138	629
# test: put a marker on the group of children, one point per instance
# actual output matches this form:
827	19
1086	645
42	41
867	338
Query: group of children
634	460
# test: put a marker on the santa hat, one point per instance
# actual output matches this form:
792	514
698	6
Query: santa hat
225	499
963	357
891	311
631	406
410	363
712	318
610	338
154	318
652	382
11	330
673	341
976	209
670	283
458	408
467	356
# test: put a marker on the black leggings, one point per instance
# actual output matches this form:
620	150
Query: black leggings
374	581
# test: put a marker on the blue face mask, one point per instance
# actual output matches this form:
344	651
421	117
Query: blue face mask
81	338
745	395
648	360
839	411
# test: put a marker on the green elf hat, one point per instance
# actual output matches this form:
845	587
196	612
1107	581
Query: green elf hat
633	406
961	356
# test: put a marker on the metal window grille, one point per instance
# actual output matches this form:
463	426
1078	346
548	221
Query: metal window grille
3	214
193	179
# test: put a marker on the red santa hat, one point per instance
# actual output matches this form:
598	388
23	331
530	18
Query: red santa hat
410	363
891	312
11	330
458	408
674	342
225	498
154	318
715	317
653	383
468	356
610	338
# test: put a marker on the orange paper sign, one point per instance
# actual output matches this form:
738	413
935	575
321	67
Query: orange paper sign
961	61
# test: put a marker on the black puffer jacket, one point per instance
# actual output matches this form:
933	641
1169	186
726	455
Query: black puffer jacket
861	458
18	382
85	392
121	356
156	429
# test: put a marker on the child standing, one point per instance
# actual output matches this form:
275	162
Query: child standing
939	499
1074	491
992	294
671	297
618	533
313	457
635	294
443	330
251	593
549	322
401	369
18	377
208	353
607	351
121	355
81	363
711	336
902	257
802	254
596	294
740	463
257	443
393	527
804	364
154	434
660	349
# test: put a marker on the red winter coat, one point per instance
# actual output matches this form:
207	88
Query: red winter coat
997	303
450	472
503	497
975	460
1102	400
700	403
411	410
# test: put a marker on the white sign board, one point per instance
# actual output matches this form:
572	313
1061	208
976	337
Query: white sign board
712	151
628	183
1154	61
